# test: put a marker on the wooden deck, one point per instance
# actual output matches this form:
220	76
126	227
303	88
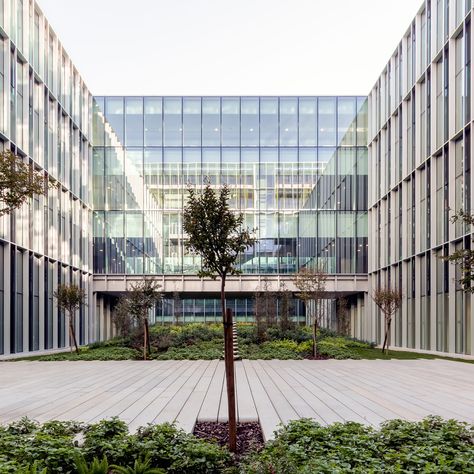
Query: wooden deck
273	392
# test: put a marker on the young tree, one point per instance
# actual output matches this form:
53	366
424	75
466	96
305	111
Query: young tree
177	307
121	316
218	236
285	299
260	315
311	283
388	301
464	257
18	182
342	315
265	308
69	299
140	299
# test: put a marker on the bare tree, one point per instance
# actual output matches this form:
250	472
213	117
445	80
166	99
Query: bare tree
343	316
139	301
217	234
311	283
265	308
121	316
388	300
177	308
285	299
69	299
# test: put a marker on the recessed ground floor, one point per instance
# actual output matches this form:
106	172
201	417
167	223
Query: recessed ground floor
272	392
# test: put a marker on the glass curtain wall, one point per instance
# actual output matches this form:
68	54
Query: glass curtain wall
297	168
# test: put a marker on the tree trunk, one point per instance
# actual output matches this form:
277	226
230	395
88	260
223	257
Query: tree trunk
229	369
315	335
145	338
147	335
72	335
386	335
389	325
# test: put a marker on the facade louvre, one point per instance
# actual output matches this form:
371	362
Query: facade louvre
420	152
364	185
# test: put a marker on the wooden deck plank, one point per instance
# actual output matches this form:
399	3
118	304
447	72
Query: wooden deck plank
210	407
366	391
267	414
170	411
187	417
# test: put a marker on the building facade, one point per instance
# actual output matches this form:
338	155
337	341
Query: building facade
296	166
364	185
420	156
46	118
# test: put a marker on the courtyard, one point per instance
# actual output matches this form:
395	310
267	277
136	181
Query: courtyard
272	392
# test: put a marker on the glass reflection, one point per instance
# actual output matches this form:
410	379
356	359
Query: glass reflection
297	169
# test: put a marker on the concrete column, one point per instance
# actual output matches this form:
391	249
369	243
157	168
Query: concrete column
26	294
7	298
41	315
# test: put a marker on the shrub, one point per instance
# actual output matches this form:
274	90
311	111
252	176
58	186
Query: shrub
303	446
297	333
100	353
200	341
28	447
339	348
178	452
204	351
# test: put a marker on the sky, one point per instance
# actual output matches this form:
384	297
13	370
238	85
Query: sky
230	47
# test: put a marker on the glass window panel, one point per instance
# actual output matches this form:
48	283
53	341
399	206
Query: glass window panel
250	122
134	121
191	122
230	122
346	118
152	165
114	178
192	166
115	116
153	121
231	166
288	122
173	127
134	178
211	122
211	167
134	242
327	121
268	122
308	132
346	161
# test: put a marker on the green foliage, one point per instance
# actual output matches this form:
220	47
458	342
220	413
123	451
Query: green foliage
179	452
304	446
69	298
298	334
205	342
432	445
140	299
51	446
214	231
339	348
95	467
464	257
101	353
31	448
18	182
139	467
33	469
201	351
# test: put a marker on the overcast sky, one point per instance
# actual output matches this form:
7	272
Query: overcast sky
230	47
